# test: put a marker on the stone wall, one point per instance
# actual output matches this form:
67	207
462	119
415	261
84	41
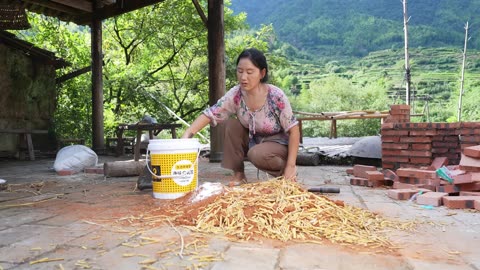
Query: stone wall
27	99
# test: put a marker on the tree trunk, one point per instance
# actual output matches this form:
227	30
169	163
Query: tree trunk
123	168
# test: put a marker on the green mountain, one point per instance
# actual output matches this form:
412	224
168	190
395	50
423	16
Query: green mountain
357	27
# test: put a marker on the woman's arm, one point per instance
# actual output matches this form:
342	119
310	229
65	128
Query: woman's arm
197	125
290	171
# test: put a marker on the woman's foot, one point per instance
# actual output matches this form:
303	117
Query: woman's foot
239	178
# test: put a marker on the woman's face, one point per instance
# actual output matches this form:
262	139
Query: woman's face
248	75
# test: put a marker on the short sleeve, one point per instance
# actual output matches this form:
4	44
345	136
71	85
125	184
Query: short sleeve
225	107
287	118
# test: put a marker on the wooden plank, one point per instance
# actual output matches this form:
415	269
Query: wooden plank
21	131
53	6
344	117
141	126
78	4
330	114
119	8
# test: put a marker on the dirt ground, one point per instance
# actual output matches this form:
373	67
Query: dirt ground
90	221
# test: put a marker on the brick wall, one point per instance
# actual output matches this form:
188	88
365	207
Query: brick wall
406	144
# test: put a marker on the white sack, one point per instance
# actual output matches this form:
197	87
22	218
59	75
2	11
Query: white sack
75	158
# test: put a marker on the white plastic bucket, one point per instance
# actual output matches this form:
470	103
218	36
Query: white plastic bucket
174	166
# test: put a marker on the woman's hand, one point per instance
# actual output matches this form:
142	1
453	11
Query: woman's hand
196	126
187	135
290	172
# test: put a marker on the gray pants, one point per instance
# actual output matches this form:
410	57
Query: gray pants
270	157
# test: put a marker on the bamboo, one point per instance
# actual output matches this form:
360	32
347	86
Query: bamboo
459	116
283	211
44	260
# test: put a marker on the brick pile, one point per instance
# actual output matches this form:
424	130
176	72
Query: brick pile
424	184
418	144
399	113
367	176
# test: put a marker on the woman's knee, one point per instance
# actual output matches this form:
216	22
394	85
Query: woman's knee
264	159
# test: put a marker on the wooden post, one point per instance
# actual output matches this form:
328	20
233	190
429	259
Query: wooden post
216	71
98	140
138	143
333	129
407	60
463	74
31	152
301	132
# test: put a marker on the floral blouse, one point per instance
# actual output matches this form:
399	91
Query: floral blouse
269	123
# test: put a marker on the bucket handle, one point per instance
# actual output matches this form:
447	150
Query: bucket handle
169	176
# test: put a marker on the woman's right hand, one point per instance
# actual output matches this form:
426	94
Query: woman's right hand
196	126
187	135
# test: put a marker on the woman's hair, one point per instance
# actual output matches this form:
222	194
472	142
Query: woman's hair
258	59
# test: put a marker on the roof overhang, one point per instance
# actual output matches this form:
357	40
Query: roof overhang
82	12
31	51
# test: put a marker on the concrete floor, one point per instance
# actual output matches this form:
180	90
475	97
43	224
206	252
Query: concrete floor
62	218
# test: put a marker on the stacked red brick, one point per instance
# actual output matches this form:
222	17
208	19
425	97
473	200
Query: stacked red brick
462	192
424	185
467	183
399	113
417	144
367	176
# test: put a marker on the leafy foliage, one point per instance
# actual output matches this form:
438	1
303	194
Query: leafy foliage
357	27
154	58
336	94
327	56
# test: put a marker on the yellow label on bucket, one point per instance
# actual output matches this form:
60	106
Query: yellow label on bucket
183	168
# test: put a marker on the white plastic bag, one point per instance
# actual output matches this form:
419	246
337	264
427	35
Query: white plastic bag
75	158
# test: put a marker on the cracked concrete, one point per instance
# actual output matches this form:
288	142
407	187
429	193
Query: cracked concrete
62	220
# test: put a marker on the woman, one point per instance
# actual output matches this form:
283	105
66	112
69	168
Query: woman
264	130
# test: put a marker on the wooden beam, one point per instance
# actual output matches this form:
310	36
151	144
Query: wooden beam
119	8
73	74
23	130
78	4
53	6
368	116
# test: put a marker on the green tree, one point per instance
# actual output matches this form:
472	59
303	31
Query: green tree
153	56
336	94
